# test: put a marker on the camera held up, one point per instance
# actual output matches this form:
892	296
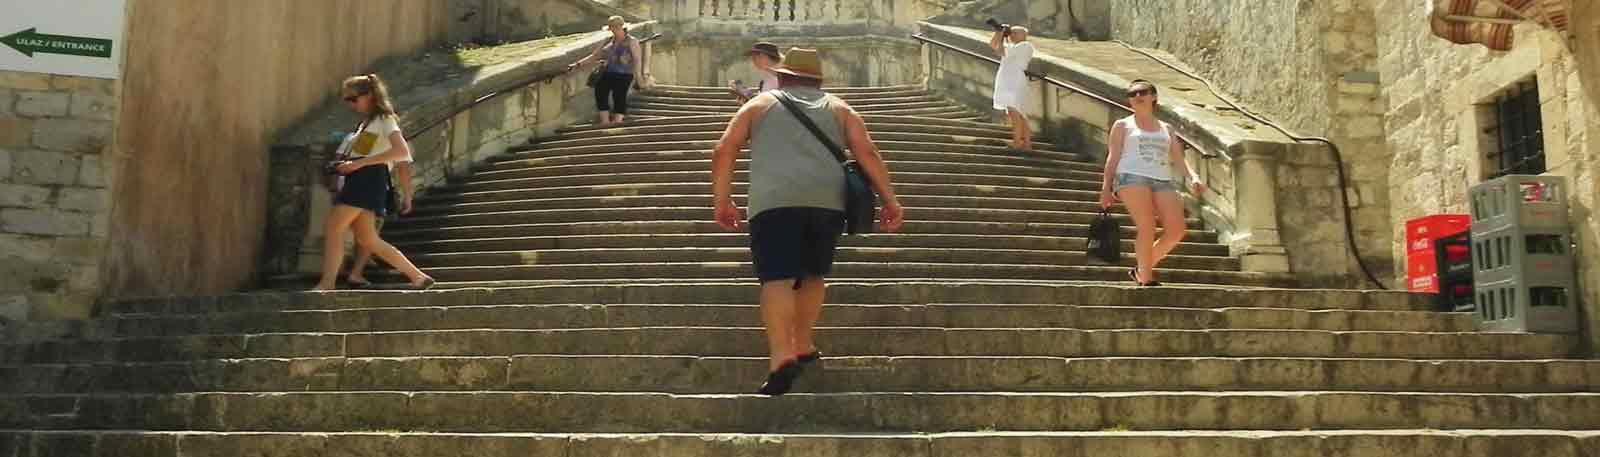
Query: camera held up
1004	29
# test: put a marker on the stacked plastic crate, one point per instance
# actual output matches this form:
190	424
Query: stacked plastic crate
1522	255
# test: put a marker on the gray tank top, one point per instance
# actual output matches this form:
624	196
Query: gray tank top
789	167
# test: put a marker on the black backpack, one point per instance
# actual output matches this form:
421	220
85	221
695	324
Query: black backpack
1105	239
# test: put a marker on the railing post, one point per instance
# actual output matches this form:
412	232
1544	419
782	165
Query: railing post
1257	242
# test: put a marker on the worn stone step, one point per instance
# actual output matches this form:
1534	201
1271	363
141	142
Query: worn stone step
730	101
743	165
1041	162
708	227
741	254
533	317
708	145
742	177
838	341
716	91
743	292
714	375
510	411
697	213
656	201
649	121
960	191
881	126
899	270
941	113
880	105
728	239
1188	443
630	138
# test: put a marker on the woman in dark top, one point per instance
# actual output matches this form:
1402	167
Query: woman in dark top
622	57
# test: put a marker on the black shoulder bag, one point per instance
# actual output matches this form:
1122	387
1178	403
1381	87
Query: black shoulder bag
860	201
1105	239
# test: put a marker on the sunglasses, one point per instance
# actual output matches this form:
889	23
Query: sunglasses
352	98
1136	93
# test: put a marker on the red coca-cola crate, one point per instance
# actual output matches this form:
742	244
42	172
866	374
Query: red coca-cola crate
1422	268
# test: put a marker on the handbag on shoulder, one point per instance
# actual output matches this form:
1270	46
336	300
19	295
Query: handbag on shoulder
860	201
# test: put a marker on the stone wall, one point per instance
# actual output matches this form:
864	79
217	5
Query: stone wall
1440	125
1080	19
1312	66
862	61
55	132
521	20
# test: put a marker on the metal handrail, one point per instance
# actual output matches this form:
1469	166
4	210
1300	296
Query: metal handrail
544	78
1069	86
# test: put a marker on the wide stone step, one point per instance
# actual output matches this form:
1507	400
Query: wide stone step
978	158
899	270
743	165
1319	443
837	341
704	213
844	91
958	191
839	291
704	176
904	126
534	317
741	240
730	101
940	113
881	105
742	254
714	375
648	121
709	227
713	136
488	412
648	201
711	144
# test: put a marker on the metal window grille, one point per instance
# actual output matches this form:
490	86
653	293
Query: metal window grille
1521	132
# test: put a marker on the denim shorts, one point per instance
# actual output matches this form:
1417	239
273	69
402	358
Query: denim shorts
1155	185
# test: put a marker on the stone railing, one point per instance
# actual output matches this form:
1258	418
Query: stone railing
814	18
1075	106
452	127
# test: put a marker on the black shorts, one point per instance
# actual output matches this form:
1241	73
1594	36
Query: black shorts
367	188
794	243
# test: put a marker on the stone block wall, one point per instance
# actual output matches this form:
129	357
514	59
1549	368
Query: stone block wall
1440	121
55	134
1312	66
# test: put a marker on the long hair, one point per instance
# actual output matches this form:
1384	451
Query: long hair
371	84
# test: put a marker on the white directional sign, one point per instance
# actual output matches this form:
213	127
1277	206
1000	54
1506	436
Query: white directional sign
64	37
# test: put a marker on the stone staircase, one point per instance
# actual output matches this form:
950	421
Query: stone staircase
622	323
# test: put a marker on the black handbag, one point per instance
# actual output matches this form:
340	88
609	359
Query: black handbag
1105	239
594	76
860	200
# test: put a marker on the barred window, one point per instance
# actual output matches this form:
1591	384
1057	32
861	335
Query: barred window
1520	131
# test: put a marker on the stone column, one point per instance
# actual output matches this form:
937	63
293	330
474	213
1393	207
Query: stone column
1256	242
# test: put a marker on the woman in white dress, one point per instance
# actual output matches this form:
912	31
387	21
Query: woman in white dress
1011	84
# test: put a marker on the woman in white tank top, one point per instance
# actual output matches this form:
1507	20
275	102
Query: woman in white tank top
1143	159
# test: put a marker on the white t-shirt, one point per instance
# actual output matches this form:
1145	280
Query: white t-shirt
374	140
768	82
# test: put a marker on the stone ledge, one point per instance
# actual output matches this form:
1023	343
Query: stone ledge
1099	67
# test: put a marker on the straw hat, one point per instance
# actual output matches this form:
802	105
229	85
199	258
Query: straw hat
801	62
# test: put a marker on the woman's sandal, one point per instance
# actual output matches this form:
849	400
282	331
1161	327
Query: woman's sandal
358	284
780	381
1133	273
427	283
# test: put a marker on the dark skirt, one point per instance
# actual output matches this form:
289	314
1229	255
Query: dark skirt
367	188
